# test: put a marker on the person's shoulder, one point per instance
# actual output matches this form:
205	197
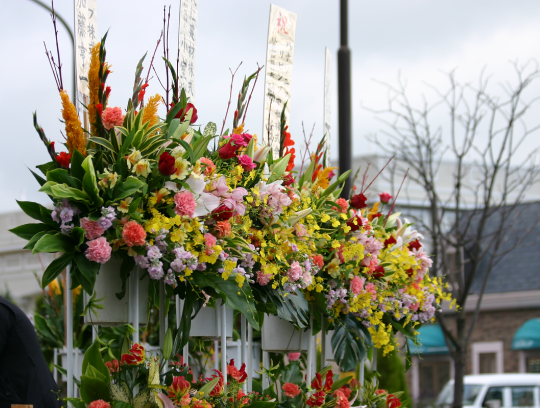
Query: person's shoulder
6	310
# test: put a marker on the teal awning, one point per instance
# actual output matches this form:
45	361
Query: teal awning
528	336
432	340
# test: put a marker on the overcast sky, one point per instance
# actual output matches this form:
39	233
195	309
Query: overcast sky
420	38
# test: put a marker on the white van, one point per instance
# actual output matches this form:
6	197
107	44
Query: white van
495	391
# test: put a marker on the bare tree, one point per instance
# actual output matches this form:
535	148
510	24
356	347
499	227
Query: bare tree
482	138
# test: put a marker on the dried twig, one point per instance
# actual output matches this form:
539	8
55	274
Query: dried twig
230	97
252	89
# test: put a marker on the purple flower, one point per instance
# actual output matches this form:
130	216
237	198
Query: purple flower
156	272
153	253
141	261
104	223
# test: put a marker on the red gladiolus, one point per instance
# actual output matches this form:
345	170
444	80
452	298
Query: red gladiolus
390	241
227	151
166	164
415	244
385	197
358	201
379	272
107	91
392	401
238	375
64	159
222	213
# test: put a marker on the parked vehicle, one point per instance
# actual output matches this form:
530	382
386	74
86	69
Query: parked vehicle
495	391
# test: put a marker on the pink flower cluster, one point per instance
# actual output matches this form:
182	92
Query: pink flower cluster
185	203
92	230
112	117
277	198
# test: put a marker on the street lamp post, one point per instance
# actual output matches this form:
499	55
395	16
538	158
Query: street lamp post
344	98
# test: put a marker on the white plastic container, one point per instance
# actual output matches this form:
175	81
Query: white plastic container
116	312
281	336
207	323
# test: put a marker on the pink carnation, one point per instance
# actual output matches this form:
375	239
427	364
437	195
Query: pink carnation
357	284
300	230
112	117
98	250
246	162
210	242
295	271
307	278
99	404
263	278
91	228
185	203
133	234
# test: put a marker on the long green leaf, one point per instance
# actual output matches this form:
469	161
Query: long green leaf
55	243
55	268
28	231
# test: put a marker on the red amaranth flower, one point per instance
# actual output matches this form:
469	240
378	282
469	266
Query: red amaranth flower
415	244
358	201
379	272
64	159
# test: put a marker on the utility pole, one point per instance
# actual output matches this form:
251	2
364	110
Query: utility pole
344	97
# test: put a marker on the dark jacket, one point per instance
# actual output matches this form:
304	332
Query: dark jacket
25	377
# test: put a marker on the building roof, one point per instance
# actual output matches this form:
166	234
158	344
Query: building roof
519	269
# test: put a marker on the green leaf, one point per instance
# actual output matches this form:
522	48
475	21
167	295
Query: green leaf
279	168
208	387
121	404
34	239
89	270
78	235
93	389
61	176
102	142
63	191
55	268
210	129
27	231
291	373
44	168
201	147
76	402
340	383
127	266
236	298
89	183
120	395
39	179
92	357
350	342
36	211
167	345
127	188
262	404
76	165
55	243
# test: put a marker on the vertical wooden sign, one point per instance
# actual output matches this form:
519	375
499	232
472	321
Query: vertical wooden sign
327	118
278	77
187	39
86	36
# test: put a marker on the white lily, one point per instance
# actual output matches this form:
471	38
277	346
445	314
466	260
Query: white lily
260	155
299	215
206	202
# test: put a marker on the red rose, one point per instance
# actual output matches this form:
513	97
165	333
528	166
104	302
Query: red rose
227	151
359	201
385	197
181	115
288	180
379	272
166	164
415	244
222	213
64	159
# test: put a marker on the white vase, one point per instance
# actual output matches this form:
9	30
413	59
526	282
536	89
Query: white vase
207	323
115	312
329	354
281	336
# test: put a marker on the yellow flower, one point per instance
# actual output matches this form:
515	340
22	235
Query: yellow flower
124	205
182	169
325	218
54	287
160	194
108	179
142	168
74	131
133	158
150	111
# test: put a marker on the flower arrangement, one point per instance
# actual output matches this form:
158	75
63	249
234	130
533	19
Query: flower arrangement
139	380
216	216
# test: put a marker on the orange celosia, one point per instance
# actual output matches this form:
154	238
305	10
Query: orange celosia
74	131
239	130
150	111
93	85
